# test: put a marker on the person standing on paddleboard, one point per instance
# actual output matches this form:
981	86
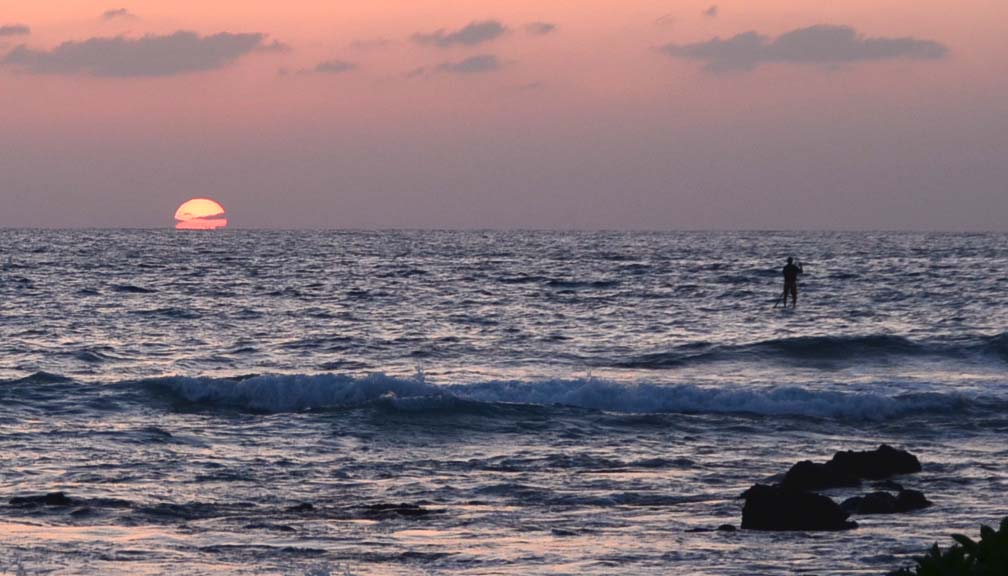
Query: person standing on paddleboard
791	272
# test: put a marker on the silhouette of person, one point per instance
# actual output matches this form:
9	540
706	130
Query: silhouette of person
791	272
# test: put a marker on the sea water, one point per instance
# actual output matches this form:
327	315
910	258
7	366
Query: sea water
253	402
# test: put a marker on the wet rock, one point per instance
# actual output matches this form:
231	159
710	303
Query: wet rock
50	499
303	507
726	528
848	468
886	503
874	503
908	500
779	508
807	475
876	464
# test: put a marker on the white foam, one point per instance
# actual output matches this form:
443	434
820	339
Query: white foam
647	398
289	393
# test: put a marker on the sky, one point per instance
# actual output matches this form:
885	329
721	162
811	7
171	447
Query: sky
556	114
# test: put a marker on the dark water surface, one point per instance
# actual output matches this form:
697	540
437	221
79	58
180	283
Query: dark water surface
484	402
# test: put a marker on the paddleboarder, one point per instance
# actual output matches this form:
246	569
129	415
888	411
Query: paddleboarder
791	272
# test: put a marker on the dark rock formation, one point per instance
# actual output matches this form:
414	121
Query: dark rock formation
886	503
779	508
791	505
874	503
908	500
807	475
848	468
876	464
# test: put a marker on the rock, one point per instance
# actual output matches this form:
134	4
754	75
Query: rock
303	507
50	499
807	475
849	468
874	503
726	528
779	508
875	464
851	504
886	503
908	500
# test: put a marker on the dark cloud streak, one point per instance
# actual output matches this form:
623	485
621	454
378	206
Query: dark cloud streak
118	13
14	30
149	56
473	65
821	44
274	46
540	28
470	35
334	67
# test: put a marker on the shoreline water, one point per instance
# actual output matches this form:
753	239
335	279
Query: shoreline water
250	402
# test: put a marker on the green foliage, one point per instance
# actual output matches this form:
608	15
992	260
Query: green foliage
988	557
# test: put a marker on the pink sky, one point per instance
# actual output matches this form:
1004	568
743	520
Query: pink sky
565	114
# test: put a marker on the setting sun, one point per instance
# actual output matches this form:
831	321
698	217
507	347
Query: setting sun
200	214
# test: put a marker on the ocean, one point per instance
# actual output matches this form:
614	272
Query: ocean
414	402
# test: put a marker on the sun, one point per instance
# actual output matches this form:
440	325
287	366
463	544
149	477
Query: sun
200	214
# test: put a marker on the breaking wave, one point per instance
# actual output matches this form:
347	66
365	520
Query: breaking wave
294	393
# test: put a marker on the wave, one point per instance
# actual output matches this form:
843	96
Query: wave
131	289
297	393
290	393
997	345
39	378
820	349
581	284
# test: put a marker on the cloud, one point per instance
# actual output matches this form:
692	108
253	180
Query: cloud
540	28
334	67
274	46
472	65
822	44
470	35
118	13
121	57
711	12
14	30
